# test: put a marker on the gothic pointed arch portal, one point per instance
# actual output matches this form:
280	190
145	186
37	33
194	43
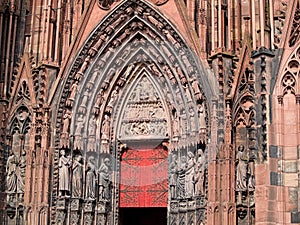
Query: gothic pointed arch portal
135	86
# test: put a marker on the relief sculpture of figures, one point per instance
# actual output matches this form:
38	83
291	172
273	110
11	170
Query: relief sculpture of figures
199	173
64	174
173	176
90	179
77	177
104	179
241	169
189	175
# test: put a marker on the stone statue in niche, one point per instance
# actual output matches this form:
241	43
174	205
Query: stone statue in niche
119	20
156	55
108	78
152	36
183	122
169	74
181	179
187	93
192	119
94	76
241	169
173	176
154	21
171	39
112	100
196	88
93	50
155	70
78	142
77	176
122	37
11	176
168	53
104	179
64	174
73	90
105	128
99	102
175	124
186	61
21	172
92	134
84	101
105	57
181	75
189	175
90	179
199	173
251	179
201	115
64	141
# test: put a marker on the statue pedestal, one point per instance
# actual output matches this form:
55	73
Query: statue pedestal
88	210
102	209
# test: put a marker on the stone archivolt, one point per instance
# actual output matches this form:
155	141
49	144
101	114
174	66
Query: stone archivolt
132	76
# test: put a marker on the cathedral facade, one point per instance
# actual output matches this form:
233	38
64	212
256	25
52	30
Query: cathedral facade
144	112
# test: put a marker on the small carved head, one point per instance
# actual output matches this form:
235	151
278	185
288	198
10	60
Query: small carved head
200	152
190	155
241	148
62	152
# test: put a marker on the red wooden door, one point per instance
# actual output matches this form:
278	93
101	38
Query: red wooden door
144	178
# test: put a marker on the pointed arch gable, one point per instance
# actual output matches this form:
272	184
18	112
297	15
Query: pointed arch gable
24	75
132	42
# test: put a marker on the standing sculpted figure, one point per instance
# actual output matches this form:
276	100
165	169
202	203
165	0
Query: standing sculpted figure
78	142
90	179
11	177
64	176
181	178
21	172
173	176
189	175
199	173
104	179
105	128
77	177
241	169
